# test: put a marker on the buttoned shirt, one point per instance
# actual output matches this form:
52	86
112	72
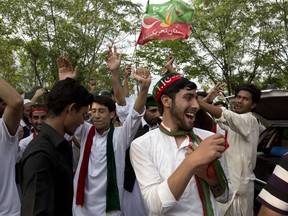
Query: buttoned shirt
155	156
96	180
47	175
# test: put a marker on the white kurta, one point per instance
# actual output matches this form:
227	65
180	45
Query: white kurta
9	197
96	181
155	156
242	137
23	145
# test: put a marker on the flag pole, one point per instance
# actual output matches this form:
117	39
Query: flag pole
133	59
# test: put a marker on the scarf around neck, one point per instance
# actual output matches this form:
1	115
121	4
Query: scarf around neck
202	185
112	194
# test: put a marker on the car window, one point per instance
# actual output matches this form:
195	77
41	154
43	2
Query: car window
269	138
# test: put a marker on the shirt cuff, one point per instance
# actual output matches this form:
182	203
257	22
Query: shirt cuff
166	197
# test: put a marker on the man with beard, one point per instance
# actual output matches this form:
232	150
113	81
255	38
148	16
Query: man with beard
133	202
243	133
172	180
25	122
37	116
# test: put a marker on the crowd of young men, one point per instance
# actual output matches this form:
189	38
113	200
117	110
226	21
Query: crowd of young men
176	169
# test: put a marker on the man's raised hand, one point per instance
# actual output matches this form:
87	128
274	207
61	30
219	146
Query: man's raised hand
143	76
113	59
65	69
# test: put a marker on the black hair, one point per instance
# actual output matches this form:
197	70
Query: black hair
105	101
66	92
217	103
253	89
105	93
150	101
174	88
202	93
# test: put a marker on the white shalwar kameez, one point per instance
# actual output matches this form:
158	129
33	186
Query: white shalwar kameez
96	180
243	133
9	197
155	156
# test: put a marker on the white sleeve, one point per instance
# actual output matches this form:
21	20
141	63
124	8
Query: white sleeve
240	123
156	192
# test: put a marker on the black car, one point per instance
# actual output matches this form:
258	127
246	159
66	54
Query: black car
273	141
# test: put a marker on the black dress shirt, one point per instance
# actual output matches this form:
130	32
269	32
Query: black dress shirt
47	175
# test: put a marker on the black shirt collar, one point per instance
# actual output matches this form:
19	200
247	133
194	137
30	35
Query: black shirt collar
55	138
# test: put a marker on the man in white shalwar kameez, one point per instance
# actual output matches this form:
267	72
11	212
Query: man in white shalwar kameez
172	162
243	133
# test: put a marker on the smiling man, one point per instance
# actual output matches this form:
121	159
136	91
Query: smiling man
243	133
98	181
37	116
172	180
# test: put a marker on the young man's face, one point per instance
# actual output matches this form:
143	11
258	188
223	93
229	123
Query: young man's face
243	102
75	119
37	119
151	115
184	108
101	117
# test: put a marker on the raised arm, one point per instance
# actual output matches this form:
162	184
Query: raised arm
142	75
65	69
213	93
168	67
13	111
39	92
127	74
113	60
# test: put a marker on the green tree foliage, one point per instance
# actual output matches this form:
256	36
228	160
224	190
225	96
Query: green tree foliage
232	42
35	33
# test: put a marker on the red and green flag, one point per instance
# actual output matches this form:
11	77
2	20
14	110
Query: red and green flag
167	21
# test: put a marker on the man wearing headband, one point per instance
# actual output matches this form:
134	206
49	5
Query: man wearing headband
9	123
172	180
37	116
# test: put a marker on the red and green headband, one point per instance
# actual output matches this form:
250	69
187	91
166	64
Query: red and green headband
163	83
37	107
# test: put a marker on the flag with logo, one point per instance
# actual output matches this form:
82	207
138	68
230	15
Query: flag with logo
167	21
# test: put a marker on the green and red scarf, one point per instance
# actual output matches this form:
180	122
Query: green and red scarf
112	193
214	170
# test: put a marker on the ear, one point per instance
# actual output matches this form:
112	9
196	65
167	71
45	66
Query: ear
30	120
166	101
71	107
253	105
112	114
